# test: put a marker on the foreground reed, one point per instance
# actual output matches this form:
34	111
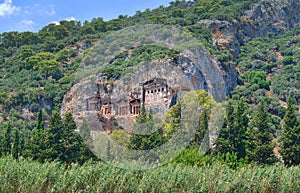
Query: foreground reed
28	176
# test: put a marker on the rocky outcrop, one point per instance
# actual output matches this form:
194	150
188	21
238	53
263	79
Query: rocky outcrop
266	16
193	70
276	16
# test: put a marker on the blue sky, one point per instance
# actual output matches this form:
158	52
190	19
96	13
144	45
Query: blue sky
32	15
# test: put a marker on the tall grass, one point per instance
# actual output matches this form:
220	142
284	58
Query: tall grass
32	177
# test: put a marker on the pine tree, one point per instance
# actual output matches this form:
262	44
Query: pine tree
16	145
40	123
290	140
6	146
22	151
37	145
150	115
142	117
71	141
233	133
151	138
54	138
240	128
223	143
202	135
259	144
136	141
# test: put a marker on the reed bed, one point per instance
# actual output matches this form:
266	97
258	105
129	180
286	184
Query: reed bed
33	177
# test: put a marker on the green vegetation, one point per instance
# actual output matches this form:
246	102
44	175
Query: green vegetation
37	69
27	176
145	122
137	55
269	68
260	147
58	142
232	137
291	134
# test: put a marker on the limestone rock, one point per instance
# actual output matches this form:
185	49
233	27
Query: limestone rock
275	16
157	85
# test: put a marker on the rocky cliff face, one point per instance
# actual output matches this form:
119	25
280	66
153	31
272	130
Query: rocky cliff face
167	78
275	16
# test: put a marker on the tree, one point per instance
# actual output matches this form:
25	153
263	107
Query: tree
114	25
259	143
40	122
99	24
48	67
86	143
60	32
1	144
67	145
119	136
233	133
37	145
25	52
43	61
54	137
290	139
223	143
87	28
71	141
72	26
22	148
240	127
142	117
63	56
7	143
145	136
30	63
16	145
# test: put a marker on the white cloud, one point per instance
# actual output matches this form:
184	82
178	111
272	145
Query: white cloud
7	8
70	18
55	23
27	22
66	19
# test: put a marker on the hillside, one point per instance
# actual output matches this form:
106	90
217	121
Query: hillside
27	84
237	50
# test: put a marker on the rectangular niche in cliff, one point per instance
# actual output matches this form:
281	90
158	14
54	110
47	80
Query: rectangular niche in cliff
123	108
92	104
106	106
106	109
135	106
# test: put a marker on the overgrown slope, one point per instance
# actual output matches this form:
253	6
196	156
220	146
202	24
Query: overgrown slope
37	69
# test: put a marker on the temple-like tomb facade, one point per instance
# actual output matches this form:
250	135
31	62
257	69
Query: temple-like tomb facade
156	91
154	94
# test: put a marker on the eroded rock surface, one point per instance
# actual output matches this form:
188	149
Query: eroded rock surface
266	16
157	85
